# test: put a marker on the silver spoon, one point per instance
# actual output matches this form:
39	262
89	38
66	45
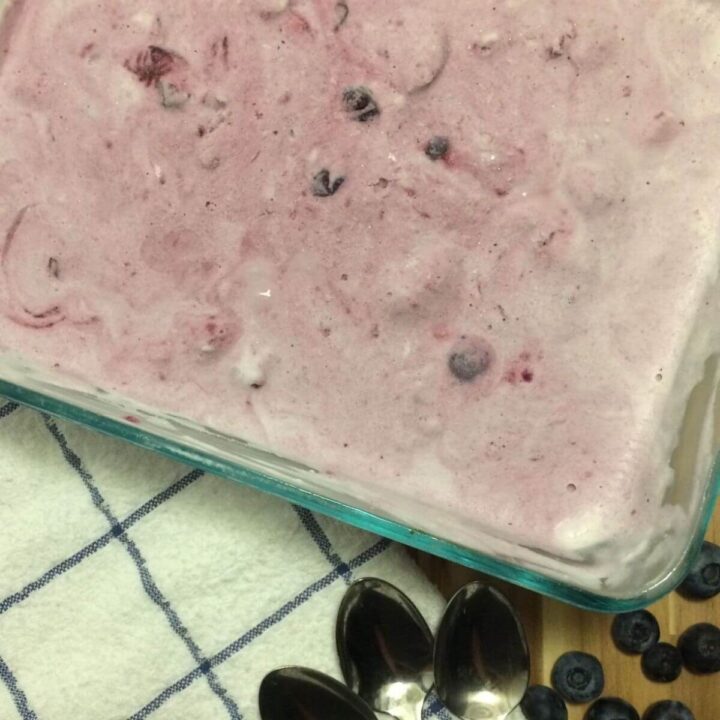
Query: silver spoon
385	648
482	665
298	693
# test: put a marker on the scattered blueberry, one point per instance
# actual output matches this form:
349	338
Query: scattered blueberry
635	632
668	710
578	677
469	358
322	186
703	580
611	708
700	648
662	663
358	101
437	147
543	703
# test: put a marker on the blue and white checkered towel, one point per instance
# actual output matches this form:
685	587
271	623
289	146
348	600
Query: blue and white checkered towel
133	587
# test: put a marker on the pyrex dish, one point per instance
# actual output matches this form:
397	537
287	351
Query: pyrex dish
695	492
429	268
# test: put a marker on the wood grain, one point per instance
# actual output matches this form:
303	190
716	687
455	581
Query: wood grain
554	628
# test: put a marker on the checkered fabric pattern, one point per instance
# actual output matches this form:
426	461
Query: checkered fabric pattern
133	587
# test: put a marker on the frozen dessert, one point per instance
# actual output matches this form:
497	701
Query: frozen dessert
453	250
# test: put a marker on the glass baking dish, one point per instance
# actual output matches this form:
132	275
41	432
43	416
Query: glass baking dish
541	417
231	457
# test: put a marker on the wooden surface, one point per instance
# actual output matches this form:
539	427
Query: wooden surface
553	628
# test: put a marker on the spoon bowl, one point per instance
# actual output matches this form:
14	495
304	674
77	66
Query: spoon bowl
482	665
298	693
385	648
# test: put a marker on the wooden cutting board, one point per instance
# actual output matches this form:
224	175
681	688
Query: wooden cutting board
554	628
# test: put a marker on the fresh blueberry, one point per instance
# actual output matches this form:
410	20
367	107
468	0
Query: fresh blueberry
662	663
322	186
611	708
578	677
437	147
635	632
703	580
469	358
543	703
360	103
668	710
700	648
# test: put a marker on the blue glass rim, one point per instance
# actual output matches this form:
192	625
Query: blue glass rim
364	519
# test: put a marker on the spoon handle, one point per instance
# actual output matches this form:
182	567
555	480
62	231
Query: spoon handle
401	712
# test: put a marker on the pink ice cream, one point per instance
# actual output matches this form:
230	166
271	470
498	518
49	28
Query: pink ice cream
444	248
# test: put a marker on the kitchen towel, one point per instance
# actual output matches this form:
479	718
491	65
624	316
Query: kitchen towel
134	587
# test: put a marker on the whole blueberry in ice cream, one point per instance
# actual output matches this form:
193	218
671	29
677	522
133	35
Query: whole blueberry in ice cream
437	147
325	186
469	358
360	103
